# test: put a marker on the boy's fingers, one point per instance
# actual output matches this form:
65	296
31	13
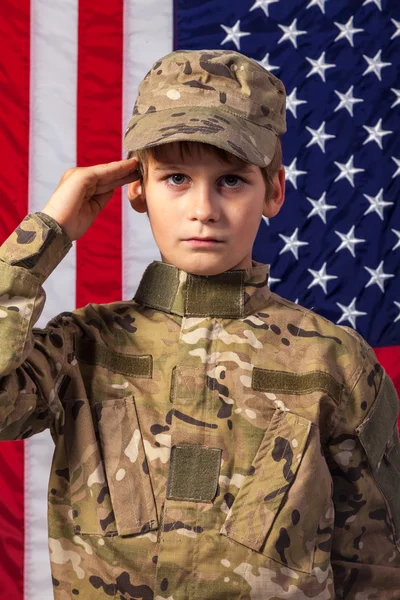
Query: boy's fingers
114	170
112	185
102	187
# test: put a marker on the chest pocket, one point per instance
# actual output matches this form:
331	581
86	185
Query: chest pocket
110	487
277	511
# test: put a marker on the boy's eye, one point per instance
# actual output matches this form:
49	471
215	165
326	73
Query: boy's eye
232	179
177	179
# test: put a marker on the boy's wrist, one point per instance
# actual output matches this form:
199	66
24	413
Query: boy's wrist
52	223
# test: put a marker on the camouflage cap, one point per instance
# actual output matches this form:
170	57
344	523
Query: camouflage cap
220	97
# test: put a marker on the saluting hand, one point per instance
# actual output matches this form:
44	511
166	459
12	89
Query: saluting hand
84	191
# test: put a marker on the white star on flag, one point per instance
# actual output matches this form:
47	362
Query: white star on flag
347	170
377	203
347	31
319	136
350	313
348	241
320	207
319	66
397	25
266	64
375	65
321	278
234	34
264	4
397	161
397	101
347	100
376	133
377	2
292	102
292	173
398	316
265	219
292	243
398	239
319	3
378	276
290	32
272	280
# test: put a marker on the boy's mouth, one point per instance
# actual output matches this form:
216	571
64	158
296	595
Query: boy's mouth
202	241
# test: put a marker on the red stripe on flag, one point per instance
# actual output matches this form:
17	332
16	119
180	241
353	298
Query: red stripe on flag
389	358
99	140
14	160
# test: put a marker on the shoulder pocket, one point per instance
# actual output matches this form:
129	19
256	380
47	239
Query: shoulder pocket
379	437
277	511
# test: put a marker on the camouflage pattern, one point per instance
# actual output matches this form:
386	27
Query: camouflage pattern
220	97
283	423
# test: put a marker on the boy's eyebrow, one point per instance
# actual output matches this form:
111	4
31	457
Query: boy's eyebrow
238	169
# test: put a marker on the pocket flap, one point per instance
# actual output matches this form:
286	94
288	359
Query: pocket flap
274	468
126	467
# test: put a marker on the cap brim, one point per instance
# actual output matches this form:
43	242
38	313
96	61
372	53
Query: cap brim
252	143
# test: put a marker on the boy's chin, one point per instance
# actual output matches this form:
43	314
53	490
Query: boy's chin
206	266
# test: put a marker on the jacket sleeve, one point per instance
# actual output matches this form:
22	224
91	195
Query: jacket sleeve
31	360
364	451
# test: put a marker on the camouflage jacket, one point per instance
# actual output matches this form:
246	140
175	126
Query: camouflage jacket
212	439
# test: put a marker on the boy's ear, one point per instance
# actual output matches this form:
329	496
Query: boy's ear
136	196
273	204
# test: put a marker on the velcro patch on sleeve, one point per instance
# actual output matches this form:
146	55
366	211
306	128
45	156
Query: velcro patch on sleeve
379	437
194	473
380	422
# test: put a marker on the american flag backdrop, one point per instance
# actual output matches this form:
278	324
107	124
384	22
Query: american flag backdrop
69	71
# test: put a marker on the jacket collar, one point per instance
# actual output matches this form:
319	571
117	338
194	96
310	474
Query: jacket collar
232	294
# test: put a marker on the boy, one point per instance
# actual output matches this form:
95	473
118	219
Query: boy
212	440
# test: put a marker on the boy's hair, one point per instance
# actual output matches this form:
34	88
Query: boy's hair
186	148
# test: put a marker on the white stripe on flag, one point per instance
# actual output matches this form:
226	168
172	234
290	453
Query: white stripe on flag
148	35
52	150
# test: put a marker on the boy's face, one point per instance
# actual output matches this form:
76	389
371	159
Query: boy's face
200	196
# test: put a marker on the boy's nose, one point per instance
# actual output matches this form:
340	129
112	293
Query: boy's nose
203	204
